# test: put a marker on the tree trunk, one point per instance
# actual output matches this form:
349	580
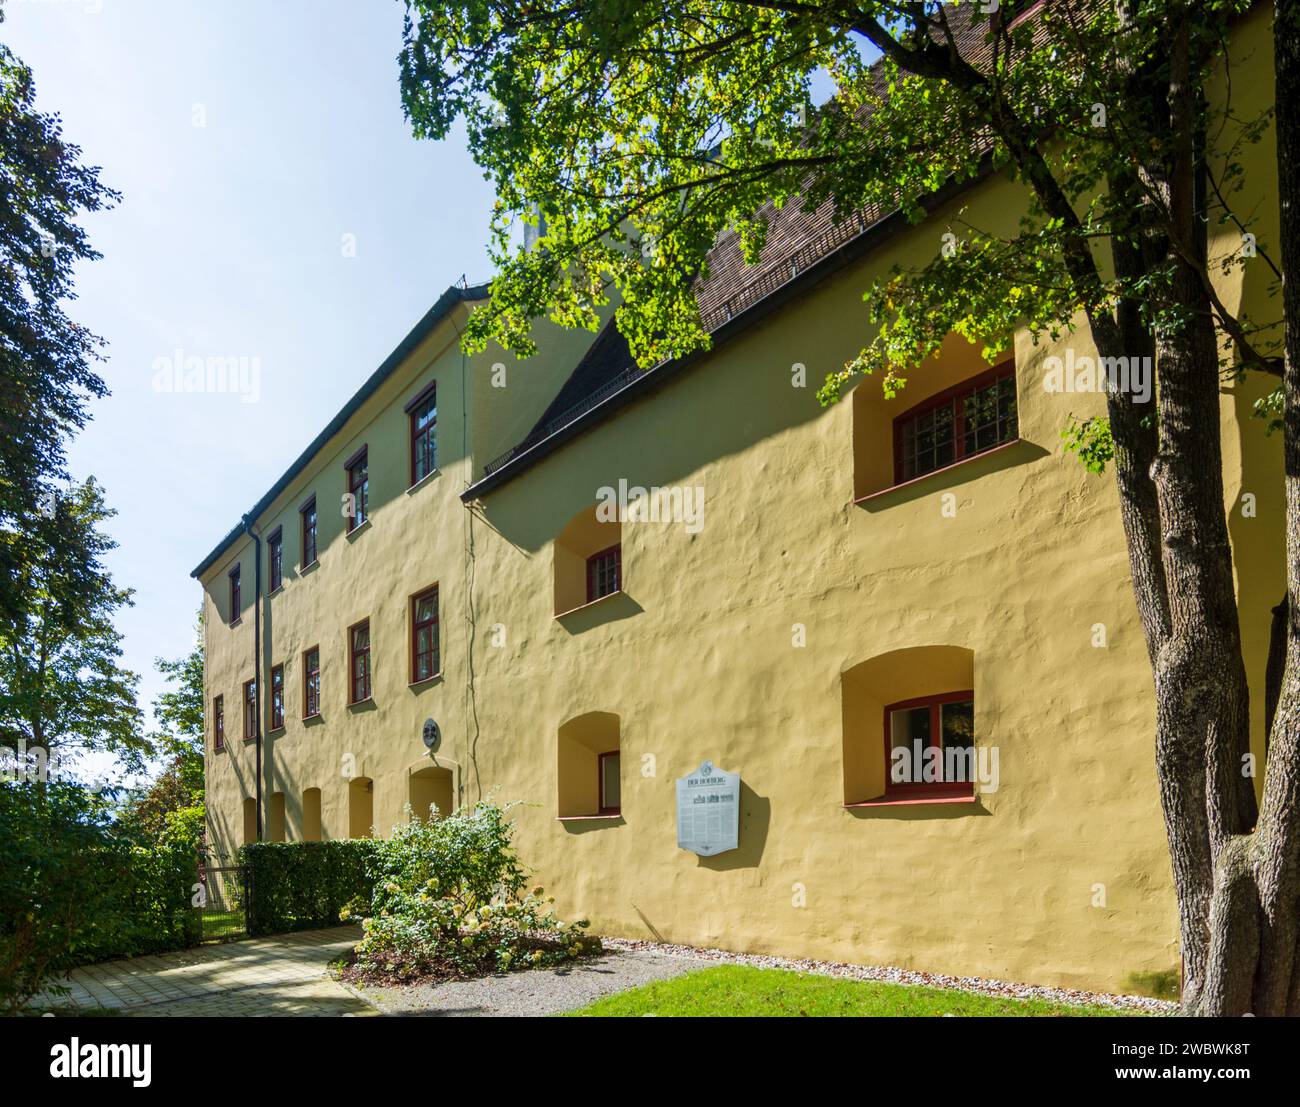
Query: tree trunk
1253	921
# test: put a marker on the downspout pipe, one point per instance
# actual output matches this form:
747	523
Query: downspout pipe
257	658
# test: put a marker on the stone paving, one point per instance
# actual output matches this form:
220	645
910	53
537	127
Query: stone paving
282	975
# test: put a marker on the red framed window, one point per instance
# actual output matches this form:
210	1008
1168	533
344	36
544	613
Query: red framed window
277	697
604	573
233	581
971	419
219	722
359	660
423	414
311	683
308	513
250	710
611	797
425	661
934	737
358	488
275	558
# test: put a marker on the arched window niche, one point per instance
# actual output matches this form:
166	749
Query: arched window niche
917	698
588	767
588	561
361	807
430	785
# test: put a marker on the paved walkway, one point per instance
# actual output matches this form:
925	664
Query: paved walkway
282	975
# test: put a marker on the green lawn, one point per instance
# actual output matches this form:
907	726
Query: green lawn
742	990
222	924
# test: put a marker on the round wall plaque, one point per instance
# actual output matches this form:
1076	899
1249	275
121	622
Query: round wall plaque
432	736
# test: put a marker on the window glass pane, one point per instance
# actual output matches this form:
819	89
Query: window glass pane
957	734
907	726
424	442
603	574
312	666
610	795
928	442
989	415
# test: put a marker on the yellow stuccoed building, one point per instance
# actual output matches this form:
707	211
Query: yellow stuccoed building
828	584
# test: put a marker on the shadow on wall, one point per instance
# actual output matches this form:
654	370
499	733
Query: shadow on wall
755	820
673	436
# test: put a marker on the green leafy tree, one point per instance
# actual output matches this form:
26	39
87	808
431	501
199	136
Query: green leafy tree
633	133
174	800
46	359
62	687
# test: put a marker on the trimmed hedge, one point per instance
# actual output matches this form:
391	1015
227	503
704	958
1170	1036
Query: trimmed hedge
304	885
148	905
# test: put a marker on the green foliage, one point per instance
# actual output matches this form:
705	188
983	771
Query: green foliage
61	685
73	890
179	710
642	130
178	714
304	885
449	899
1270	408
45	358
1091	440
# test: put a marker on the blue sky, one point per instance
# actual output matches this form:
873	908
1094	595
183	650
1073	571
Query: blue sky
247	138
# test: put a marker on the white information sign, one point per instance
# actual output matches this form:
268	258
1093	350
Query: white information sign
708	810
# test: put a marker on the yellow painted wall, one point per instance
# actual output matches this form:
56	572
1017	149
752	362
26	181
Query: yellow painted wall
767	642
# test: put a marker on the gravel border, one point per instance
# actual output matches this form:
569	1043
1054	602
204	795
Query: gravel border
887	974
531	992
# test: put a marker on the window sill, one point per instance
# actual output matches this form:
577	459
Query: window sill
588	818
910	801
434	679
234	623
310	720
430	475
360	528
369	701
303	570
250	738
274	731
219	749
275	591
914	481
589	603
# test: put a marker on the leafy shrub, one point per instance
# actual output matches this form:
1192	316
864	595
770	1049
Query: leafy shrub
449	900
74	890
304	885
